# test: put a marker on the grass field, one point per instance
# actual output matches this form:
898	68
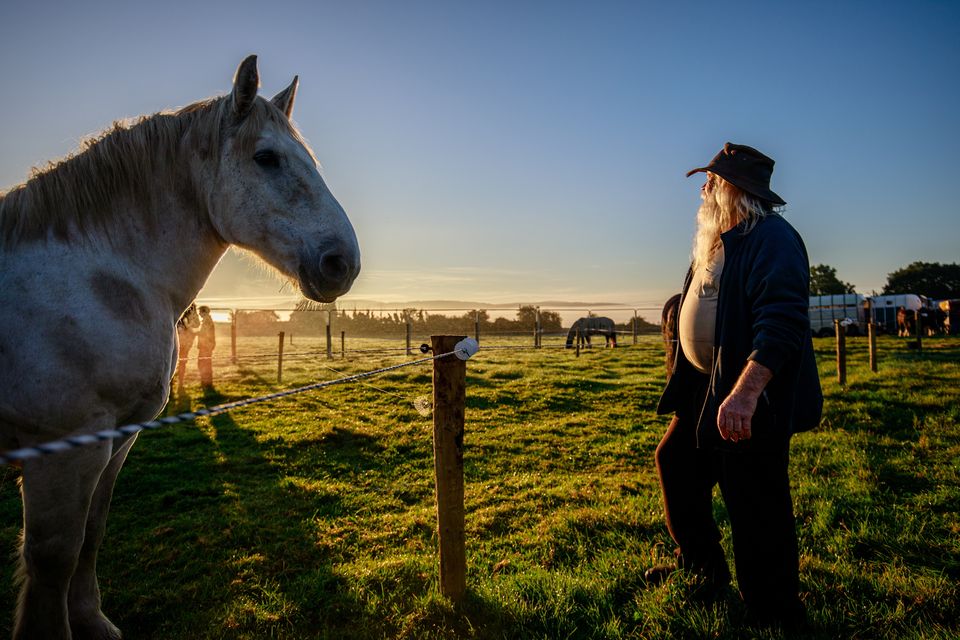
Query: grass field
313	516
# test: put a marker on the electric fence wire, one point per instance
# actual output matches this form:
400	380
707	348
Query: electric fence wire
335	353
56	446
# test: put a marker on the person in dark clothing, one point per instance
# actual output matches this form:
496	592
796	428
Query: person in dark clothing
187	328
206	341
744	381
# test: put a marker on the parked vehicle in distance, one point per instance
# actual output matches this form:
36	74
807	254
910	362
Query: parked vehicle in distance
845	307
884	308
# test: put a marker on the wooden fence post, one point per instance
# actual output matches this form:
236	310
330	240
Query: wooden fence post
233	336
841	352
476	328
449	402
578	342
343	345
918	320
409	352
536	330
280	360
634	326
329	345
872	341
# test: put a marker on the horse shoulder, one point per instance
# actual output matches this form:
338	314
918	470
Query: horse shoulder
87	336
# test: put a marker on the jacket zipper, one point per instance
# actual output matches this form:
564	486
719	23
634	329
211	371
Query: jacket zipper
706	397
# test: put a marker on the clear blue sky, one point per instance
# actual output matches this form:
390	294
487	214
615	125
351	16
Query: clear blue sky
523	151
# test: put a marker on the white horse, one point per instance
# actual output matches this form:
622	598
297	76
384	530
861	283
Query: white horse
99	256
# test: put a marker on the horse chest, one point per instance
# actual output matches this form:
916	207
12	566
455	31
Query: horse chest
68	358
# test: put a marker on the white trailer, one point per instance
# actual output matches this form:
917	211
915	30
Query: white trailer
884	308
845	307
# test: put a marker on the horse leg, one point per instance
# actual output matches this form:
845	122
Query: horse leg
181	371
86	618
56	494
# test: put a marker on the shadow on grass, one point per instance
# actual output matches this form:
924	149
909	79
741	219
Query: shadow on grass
856	595
229	543
11	518
911	423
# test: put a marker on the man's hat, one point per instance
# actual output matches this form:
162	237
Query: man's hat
744	167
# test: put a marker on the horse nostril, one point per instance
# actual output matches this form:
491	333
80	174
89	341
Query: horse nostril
334	266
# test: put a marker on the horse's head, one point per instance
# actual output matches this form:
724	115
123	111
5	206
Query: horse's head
190	319
269	196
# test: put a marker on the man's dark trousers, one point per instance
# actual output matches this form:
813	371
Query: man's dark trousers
756	490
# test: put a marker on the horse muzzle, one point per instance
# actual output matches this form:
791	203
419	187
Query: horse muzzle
327	275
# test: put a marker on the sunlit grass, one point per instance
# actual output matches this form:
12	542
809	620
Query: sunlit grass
313	516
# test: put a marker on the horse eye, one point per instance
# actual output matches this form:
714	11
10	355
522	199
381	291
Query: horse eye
267	159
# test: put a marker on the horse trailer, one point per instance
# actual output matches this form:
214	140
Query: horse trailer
884	308
845	307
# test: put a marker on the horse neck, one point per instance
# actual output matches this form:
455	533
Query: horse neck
135	198
166	229
174	257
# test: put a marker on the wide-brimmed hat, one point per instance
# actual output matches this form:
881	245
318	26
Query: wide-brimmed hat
744	167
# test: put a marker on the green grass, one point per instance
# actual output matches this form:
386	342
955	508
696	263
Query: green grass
313	516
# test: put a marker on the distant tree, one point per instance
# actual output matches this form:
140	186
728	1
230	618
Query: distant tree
931	279
527	315
258	322
642	326
477	315
307	323
550	321
824	281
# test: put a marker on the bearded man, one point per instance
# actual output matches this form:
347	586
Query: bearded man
744	381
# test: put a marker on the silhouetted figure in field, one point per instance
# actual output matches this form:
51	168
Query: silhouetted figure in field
187	327
206	342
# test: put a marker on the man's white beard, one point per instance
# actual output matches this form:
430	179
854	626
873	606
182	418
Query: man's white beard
706	241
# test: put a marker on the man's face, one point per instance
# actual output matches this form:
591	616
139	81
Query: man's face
708	186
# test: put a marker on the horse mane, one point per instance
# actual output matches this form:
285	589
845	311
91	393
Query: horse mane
668	330
135	162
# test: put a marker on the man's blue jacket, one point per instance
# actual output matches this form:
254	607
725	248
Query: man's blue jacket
762	315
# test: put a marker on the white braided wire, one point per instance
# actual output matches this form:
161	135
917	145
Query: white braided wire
72	442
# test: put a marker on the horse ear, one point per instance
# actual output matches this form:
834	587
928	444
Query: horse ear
284	99
245	85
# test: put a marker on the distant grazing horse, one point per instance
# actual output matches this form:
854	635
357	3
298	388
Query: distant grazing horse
187	328
668	329
938	322
593	326
99	256
906	322
929	321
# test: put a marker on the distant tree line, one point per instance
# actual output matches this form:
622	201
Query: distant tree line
310	319
824	281
931	279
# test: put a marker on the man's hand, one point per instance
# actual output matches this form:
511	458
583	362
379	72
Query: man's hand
736	411
735	415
